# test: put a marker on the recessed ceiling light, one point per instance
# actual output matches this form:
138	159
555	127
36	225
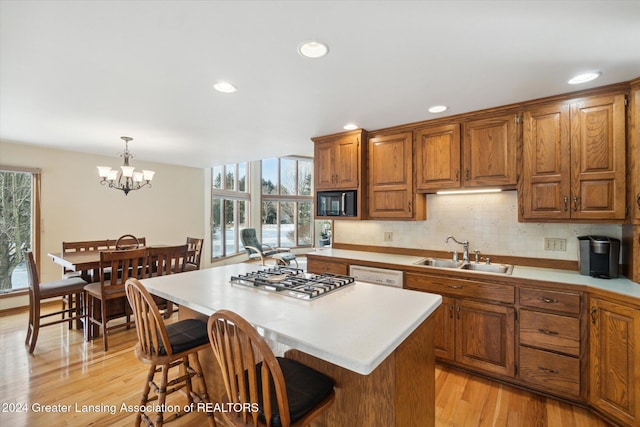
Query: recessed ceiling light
584	77
225	87
350	126
438	108
313	49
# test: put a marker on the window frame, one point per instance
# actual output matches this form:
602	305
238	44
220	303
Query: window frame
36	178
296	198
233	195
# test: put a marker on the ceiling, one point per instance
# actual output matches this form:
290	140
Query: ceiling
77	75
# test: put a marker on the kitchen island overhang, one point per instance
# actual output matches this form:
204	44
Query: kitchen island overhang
375	341
355	328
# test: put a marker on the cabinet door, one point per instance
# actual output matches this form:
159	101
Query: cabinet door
545	163
614	360
598	158
489	152
485	337
323	155
320	267
634	155
444	329
346	164
438	158
391	176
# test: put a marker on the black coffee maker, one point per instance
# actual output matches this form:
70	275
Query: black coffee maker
599	256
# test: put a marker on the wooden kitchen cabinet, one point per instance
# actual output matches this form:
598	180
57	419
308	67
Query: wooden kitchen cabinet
483	156
489	152
472	332
338	160
550	341
573	160
318	267
438	157
614	349
390	163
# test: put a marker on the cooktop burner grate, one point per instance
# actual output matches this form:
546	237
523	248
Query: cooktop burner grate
293	282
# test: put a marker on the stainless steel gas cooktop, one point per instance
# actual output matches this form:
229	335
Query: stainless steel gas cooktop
293	282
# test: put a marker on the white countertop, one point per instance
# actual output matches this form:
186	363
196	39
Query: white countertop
620	285
356	327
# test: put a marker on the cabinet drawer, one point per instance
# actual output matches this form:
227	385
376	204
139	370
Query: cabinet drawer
550	331
319	267
567	302
494	292
552	372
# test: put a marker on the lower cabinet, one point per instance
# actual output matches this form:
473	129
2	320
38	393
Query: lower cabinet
549	334
614	350
319	267
470	332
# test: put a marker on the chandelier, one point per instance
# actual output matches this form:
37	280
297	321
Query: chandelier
126	179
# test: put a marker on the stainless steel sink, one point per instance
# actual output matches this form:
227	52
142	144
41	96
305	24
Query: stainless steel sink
462	265
489	268
439	262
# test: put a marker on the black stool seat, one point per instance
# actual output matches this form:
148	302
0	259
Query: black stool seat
185	335
306	388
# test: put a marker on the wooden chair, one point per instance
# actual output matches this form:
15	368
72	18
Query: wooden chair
164	347
256	250
195	250
72	289
164	260
88	275
82	246
296	393
127	241
108	295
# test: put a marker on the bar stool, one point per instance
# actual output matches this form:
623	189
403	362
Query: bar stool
164	347
296	393
72	289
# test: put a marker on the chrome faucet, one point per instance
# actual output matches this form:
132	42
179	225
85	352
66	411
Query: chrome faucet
465	245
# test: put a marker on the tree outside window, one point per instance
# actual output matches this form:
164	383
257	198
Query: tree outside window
229	208
287	202
18	208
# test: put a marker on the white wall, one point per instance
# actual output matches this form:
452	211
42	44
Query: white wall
488	221
75	206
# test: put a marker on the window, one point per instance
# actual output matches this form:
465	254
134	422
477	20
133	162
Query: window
287	202
230	208
19	214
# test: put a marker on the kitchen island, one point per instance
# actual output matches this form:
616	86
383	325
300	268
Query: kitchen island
376	342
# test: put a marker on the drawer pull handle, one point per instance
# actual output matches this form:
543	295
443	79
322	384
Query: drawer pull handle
454	286
547	370
451	311
548	300
547	332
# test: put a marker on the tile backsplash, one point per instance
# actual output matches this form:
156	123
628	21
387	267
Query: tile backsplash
488	221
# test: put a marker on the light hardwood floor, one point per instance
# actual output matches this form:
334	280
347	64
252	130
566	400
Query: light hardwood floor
67	373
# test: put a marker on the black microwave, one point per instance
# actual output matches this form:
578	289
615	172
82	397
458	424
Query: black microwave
336	203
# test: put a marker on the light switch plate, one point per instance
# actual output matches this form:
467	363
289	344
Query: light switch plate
555	244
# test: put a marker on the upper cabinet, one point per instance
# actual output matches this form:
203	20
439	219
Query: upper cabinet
338	160
390	163
483	156
573	160
438	157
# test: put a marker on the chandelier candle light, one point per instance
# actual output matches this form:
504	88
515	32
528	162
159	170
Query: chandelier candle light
127	179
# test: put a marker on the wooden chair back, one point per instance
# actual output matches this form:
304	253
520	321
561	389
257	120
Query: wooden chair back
151	330
238	347
84	246
117	266
128	241
165	260
194	248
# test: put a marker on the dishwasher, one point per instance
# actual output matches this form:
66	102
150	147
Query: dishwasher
377	276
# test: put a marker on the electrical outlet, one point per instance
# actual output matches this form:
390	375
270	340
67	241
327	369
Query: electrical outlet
388	236
555	244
